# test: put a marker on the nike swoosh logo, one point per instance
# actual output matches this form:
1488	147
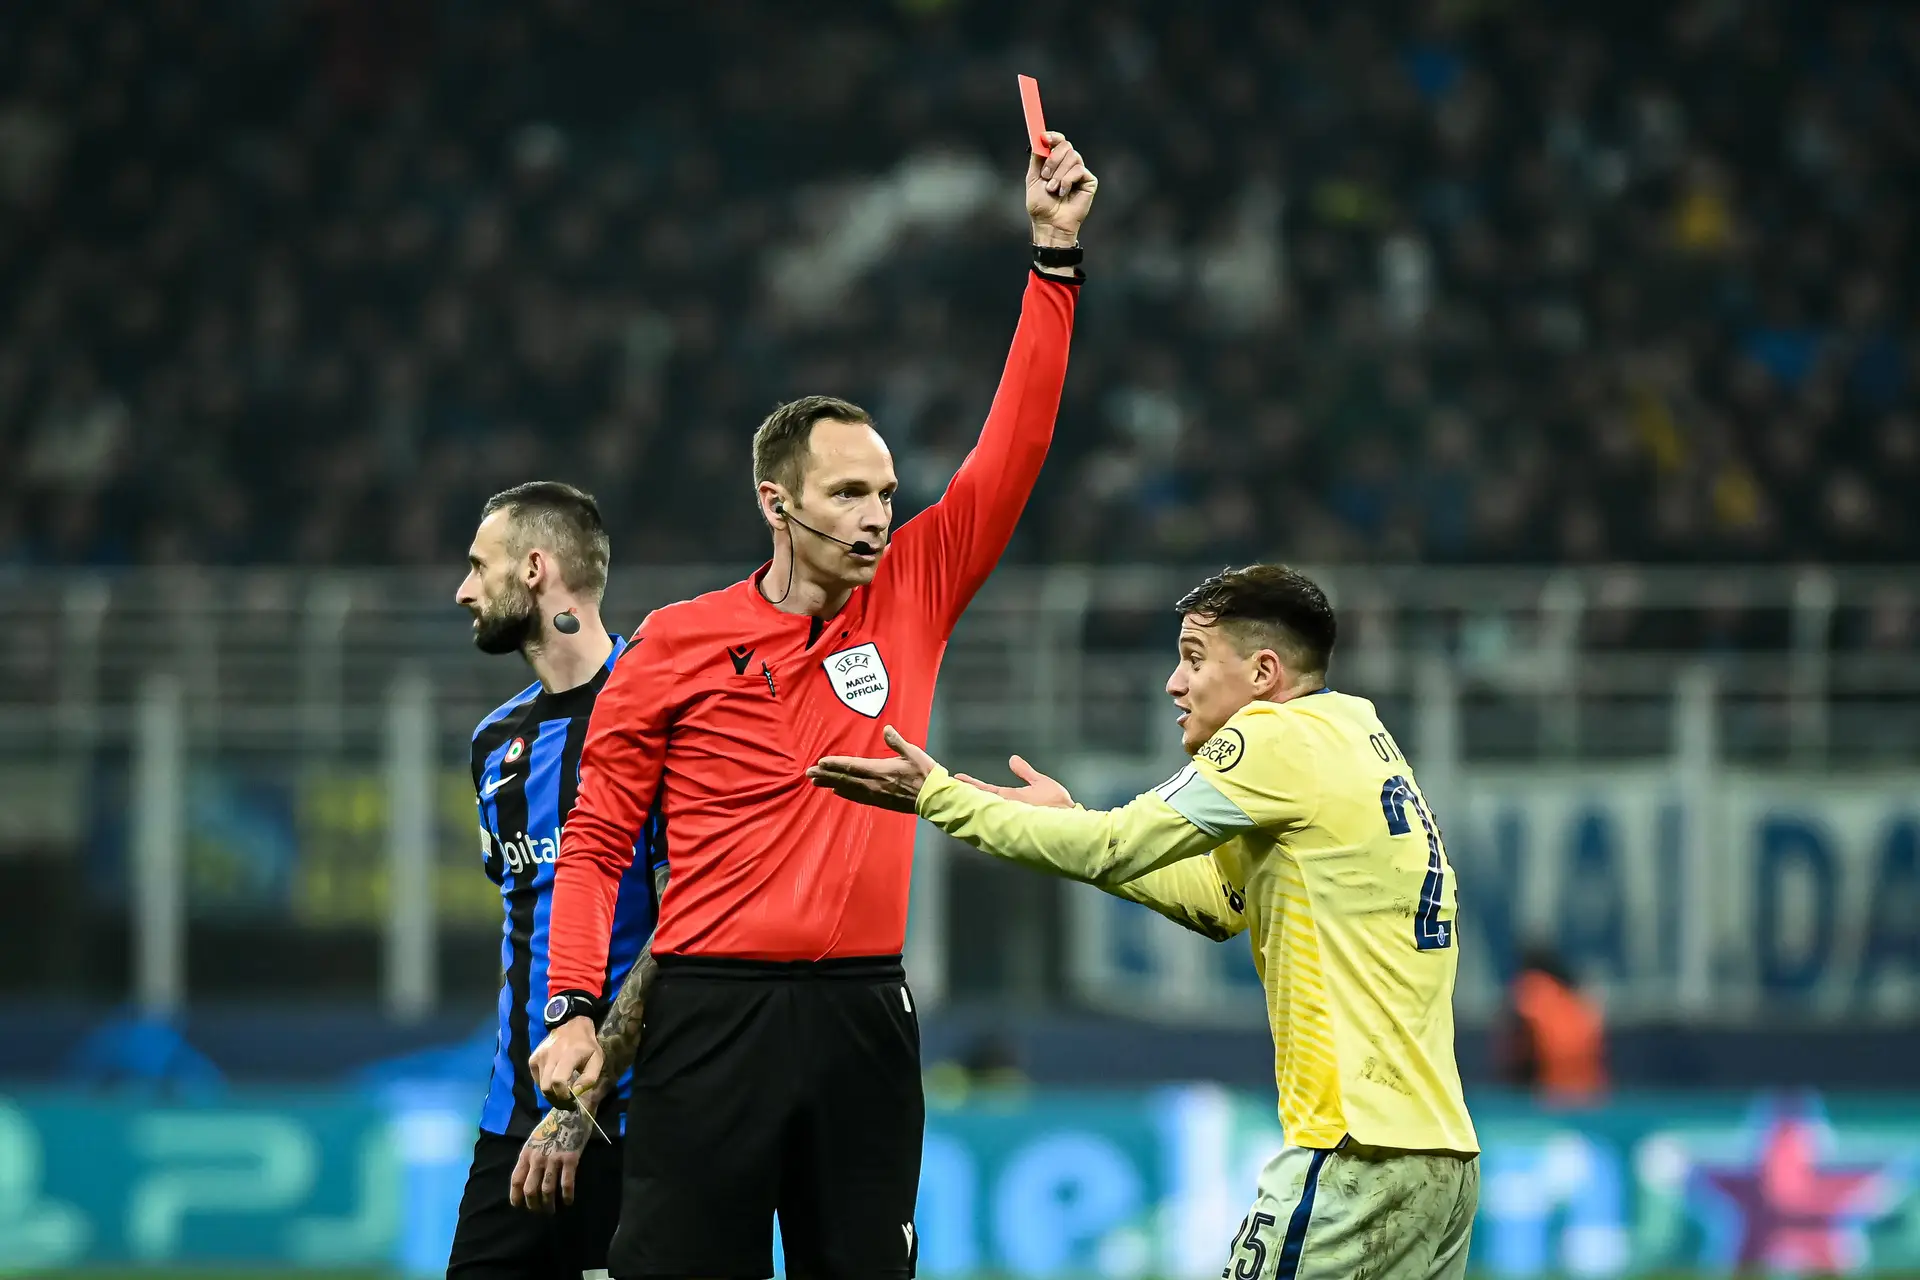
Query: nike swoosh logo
488	788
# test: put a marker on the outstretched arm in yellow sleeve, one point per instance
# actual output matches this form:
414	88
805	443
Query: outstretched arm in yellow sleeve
1194	894
1138	851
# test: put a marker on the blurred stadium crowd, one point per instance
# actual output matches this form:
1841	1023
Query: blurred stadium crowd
1457	281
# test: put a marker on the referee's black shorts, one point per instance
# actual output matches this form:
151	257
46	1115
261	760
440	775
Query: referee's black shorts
766	1087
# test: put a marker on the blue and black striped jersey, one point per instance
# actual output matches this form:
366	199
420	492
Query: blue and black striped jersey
526	766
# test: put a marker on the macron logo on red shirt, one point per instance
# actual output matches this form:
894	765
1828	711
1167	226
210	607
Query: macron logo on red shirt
859	678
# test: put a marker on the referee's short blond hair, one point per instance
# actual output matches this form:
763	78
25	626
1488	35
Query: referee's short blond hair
780	445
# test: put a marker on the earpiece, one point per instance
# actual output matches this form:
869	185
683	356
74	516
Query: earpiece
860	547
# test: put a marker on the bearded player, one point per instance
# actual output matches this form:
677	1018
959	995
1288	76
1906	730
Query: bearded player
535	574
1299	819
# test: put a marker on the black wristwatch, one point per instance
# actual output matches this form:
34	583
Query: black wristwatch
565	1006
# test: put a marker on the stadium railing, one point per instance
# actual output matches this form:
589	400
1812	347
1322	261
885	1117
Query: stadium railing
271	765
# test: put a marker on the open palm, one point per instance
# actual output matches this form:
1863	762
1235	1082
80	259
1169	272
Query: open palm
1039	790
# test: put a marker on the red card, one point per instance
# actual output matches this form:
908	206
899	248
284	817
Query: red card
1036	123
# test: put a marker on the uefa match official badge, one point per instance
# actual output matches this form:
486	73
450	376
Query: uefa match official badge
859	678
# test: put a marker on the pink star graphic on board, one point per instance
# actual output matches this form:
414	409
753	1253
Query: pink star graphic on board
1796	1214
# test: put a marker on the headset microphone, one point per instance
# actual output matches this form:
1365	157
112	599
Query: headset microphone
566	624
861	547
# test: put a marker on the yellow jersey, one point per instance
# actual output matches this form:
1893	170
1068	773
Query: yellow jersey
1301	822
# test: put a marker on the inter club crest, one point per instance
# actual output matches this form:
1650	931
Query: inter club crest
859	678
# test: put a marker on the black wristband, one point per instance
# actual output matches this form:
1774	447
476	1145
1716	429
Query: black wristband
565	1006
1048	256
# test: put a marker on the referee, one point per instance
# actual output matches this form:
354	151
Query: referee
779	1069
535	573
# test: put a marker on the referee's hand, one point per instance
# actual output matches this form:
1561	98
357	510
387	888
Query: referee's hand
885	782
568	1062
1060	191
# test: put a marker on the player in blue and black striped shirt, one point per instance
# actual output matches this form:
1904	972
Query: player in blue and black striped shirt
536	571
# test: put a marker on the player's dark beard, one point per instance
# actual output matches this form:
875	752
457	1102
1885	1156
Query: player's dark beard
506	624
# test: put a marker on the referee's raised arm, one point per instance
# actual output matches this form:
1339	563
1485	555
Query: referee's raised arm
946	552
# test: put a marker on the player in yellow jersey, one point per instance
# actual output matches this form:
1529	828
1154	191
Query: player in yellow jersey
1299	819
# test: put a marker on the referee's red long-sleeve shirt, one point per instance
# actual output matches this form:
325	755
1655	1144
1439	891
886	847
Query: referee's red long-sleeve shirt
710	720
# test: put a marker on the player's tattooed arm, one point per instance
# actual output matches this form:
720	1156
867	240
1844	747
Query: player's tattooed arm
620	1031
561	1131
543	1176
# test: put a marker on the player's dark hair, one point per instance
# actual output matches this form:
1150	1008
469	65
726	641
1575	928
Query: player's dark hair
780	445
563	520
1268	606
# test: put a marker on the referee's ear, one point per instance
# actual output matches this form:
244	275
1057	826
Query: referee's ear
773	503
